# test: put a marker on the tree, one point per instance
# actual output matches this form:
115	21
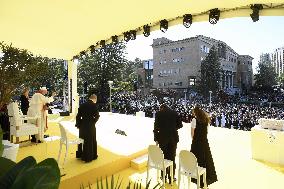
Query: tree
281	79
265	77
210	73
100	66
18	68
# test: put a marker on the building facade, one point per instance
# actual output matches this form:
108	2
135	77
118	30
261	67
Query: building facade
278	60
177	63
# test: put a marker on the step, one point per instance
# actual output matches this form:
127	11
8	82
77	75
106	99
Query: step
140	162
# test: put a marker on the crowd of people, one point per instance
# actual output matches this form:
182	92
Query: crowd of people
237	115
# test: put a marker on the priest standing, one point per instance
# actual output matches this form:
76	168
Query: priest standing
86	119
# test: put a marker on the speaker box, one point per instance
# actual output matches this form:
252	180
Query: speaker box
67	113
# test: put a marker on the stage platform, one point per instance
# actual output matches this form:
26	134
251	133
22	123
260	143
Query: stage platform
231	150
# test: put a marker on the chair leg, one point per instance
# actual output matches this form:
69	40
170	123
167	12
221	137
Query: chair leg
147	175
59	153
164	178
17	140
11	138
189	181
172	174
179	178
204	180
65	155
198	181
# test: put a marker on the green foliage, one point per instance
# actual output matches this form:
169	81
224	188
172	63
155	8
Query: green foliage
100	66
20	68
280	79
265	77
28	174
1	144
210	73
111	184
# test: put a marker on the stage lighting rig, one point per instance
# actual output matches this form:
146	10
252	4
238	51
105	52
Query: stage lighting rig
255	11
214	16
127	36
114	39
146	30
187	20
132	34
164	25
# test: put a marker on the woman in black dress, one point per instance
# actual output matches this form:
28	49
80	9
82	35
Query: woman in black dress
200	146
25	101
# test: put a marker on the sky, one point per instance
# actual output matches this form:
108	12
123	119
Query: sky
242	34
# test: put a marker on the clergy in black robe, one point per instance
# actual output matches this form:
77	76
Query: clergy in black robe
86	119
167	123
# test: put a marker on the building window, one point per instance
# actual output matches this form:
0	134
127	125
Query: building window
178	83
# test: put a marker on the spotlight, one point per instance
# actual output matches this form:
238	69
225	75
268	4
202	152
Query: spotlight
132	34
114	39
214	16
92	48
164	25
146	30
187	20
127	36
102	43
255	11
82	53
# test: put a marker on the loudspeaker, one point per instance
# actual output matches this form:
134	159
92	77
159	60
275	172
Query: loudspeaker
67	113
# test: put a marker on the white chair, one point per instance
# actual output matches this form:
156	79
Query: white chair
156	160
67	142
18	127
188	167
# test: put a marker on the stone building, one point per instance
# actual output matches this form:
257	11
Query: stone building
177	63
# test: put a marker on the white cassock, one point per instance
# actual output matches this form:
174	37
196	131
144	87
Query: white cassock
36	109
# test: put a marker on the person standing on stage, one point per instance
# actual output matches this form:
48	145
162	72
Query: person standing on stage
200	146
88	115
24	98
38	107
167	123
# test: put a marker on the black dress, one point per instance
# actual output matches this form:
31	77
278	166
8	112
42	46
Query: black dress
200	148
24	104
86	119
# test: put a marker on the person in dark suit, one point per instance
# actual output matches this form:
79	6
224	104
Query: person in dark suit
24	98
167	123
86	119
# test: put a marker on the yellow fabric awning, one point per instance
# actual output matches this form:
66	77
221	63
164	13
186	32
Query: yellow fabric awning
63	28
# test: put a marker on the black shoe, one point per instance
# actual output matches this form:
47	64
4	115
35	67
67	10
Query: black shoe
39	141
174	180
33	140
45	136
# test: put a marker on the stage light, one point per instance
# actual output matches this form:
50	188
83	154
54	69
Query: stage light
92	48
114	39
132	34
127	36
255	11
146	30
214	16
82	53
187	20
102	43
164	25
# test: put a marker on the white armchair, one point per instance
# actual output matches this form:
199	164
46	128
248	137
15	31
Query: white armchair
18	127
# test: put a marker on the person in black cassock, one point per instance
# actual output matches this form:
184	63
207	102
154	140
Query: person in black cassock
167	123
200	146
86	119
24	98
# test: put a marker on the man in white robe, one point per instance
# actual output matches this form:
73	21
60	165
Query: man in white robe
37	103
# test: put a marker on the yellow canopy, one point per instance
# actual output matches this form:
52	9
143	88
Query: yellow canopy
63	28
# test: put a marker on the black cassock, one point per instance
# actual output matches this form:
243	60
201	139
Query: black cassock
86	119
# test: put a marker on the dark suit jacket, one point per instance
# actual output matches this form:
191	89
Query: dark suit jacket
167	122
88	115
